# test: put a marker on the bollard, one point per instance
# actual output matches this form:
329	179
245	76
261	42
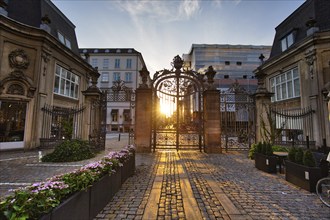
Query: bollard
119	137
40	156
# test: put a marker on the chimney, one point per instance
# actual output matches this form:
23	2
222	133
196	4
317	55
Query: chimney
311	26
45	21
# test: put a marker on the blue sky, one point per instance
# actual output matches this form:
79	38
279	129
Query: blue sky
162	29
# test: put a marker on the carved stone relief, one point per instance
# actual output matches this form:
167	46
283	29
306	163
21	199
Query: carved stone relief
310	57
18	59
15	89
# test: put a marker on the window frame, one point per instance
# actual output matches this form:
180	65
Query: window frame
106	63
105	79
128	77
286	85
67	83
114	76
117	63
129	63
288	40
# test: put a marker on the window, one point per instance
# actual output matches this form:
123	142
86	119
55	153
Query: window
66	83
105	63
94	62
116	76
287	41
114	115
238	63
227	63
286	85
105	77
129	64
128	77
117	63
64	40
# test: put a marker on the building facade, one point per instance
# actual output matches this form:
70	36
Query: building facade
119	69
42	76
295	80
231	62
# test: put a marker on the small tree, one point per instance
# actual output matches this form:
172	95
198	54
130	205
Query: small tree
269	132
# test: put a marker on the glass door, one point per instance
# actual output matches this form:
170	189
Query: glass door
12	123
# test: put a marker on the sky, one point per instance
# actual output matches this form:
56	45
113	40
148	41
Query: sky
162	29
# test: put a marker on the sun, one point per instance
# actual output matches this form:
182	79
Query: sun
166	109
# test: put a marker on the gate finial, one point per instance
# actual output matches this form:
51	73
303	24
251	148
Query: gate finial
144	73
210	73
177	62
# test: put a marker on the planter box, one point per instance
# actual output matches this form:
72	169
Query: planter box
303	176
102	192
75	207
128	169
265	163
87	204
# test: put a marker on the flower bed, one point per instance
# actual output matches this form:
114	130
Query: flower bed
50	199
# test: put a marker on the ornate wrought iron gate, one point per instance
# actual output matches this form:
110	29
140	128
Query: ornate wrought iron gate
98	114
177	108
237	110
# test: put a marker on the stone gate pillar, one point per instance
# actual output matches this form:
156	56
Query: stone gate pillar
263	102
143	110
212	121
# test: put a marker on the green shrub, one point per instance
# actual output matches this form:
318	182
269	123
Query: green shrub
292	154
252	151
268	149
259	148
279	148
308	159
299	156
68	151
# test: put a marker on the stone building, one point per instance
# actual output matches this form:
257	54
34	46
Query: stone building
42	76
295	80
119	69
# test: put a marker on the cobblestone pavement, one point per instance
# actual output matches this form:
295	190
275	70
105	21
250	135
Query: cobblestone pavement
182	185
193	185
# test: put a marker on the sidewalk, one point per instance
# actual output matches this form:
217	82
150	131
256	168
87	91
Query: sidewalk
19	168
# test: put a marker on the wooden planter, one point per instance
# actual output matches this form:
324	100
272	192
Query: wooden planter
303	176
265	163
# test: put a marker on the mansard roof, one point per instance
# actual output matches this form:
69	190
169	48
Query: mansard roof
31	12
311	11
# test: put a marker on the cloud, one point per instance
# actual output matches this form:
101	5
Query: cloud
163	11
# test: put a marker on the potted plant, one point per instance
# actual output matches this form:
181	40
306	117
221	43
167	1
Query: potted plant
303	170
264	158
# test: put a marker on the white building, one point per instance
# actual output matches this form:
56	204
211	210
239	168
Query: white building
119	69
